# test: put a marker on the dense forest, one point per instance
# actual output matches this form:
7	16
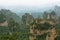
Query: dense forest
14	27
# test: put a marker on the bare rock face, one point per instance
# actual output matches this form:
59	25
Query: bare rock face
4	23
50	15
51	31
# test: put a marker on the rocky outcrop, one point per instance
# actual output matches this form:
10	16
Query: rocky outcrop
51	32
5	23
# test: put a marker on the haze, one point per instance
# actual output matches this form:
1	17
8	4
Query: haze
30	3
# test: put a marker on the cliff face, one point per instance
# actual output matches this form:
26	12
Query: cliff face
27	18
8	21
4	23
3	20
50	32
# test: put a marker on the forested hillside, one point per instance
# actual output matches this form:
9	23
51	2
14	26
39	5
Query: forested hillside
9	14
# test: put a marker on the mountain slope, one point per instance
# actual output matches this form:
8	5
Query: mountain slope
10	14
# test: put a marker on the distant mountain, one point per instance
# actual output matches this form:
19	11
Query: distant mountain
57	10
9	14
35	11
21	10
40	13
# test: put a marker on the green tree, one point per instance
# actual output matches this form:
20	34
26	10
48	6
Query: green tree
27	18
44	26
11	24
14	36
2	17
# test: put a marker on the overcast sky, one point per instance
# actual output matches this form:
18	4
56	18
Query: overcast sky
30	3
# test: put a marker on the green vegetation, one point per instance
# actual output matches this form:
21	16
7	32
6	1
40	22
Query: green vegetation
2	18
13	36
18	29
44	26
41	37
57	38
